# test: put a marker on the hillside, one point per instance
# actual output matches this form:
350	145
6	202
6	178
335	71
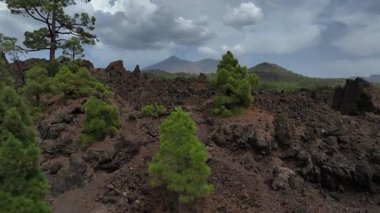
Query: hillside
273	76
289	152
273	72
174	64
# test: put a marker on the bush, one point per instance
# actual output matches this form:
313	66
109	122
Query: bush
37	83
180	164
153	110
102	119
235	83
75	81
5	76
23	186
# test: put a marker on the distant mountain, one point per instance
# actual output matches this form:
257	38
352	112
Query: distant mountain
374	78
371	78
174	64
272	72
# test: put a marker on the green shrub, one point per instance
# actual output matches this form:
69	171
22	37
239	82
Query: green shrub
180	163
5	76
102	119
153	110
37	83
236	85
75	81
23	186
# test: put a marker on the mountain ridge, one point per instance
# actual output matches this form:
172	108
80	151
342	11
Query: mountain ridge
174	64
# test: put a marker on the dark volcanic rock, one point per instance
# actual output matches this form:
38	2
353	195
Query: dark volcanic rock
137	72
69	178
356	97
51	131
116	68
101	159
281	176
234	137
88	64
284	132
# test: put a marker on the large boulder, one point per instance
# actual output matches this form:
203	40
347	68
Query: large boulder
356	97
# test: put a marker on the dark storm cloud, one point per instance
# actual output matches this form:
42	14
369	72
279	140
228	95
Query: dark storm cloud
156	29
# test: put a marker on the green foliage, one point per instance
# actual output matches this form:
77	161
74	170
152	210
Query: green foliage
7	44
37	83
22	185
57	23
8	47
72	49
5	76
9	99
180	164
236	85
102	119
153	110
75	81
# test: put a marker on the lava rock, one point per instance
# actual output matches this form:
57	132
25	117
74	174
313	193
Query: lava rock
281	176
283	132
102	159
356	97
51	131
137	72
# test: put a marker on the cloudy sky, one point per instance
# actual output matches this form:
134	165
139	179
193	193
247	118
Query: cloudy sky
322	38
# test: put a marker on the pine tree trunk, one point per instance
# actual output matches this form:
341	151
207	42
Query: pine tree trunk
53	37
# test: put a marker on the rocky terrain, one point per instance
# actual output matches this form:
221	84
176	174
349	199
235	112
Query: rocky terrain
305	151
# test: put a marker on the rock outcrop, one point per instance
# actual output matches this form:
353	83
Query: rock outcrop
356	97
137	72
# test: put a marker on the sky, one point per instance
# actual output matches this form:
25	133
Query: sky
319	38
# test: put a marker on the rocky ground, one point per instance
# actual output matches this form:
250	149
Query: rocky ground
289	152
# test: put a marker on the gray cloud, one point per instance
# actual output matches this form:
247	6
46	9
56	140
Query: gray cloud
149	28
354	67
363	36
318	38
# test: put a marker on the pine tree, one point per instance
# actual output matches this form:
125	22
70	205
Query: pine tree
57	23
235	83
180	164
72	49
